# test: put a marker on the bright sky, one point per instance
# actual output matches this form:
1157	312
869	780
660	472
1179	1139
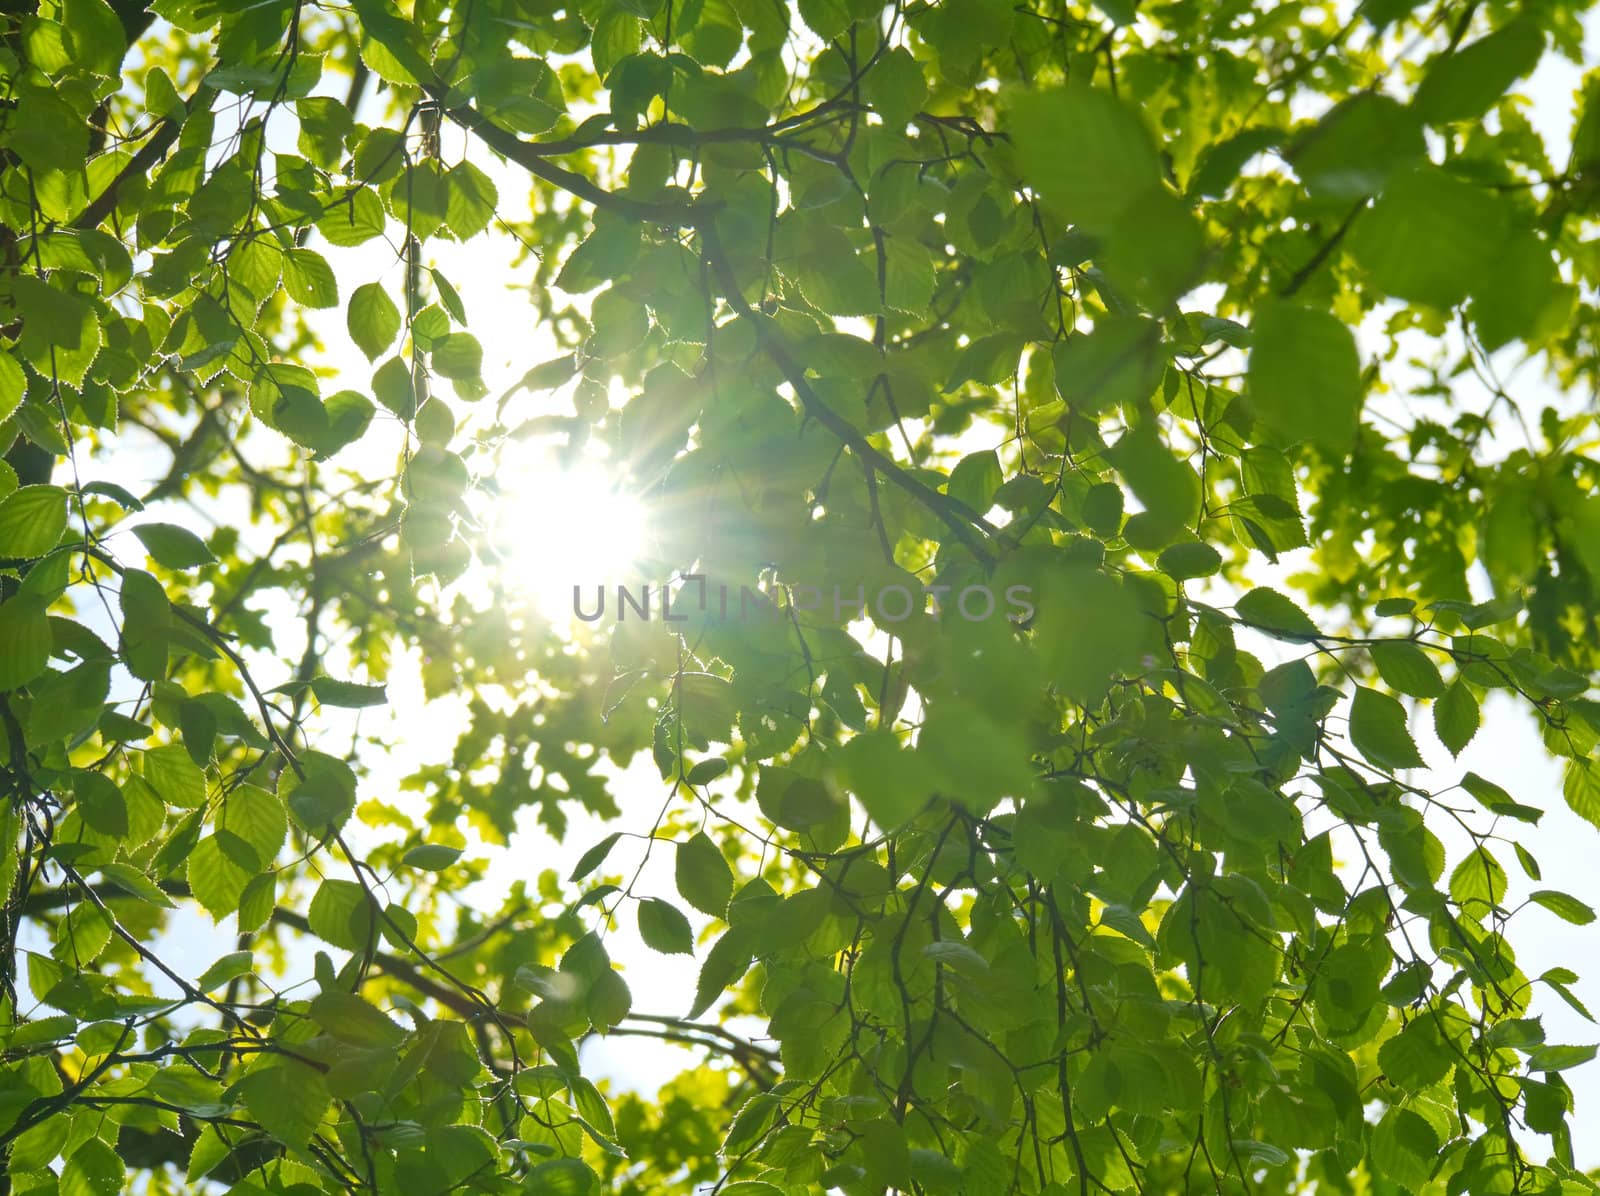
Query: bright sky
579	530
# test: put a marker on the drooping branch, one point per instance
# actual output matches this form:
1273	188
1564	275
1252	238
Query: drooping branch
759	1062
967	525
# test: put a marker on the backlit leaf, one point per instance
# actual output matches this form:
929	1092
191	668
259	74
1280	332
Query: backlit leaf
1378	729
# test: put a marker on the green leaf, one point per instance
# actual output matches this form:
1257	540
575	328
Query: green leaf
457	355
348	694
393	46
146	623
1112	365
13	385
1121	12
94	35
563	1177
356	220
1305	376
1378	729
749	1123
1153	251
62	335
468	212
892	783
728	960
39	426
1184	562
287	1098
351	1019
1407	669
393	386
1418	1056
130	880
1404	1148
519	93
896	87
1530	866
594	857
706	771
958	956
1269	611
1431	238
1558	979
256	819
975	479
432	857
1526	298
1089	154
48	135
229	967
325	123
100	802
198	722
664	928
1518	1033
324	796
1497	800
1168	487
1560	1058
175	777
1455	717
208	1153
32	519
1478	878
1580	785
825	18
1563	905
609	1000
65	704
592	1106
309	279
174	547
178	845
1068	600
349	413
1465	83
373	319
1356	147
704	878
25	640
256	901
216	880
341	914
93	1169
448	296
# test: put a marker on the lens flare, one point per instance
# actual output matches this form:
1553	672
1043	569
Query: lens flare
559	524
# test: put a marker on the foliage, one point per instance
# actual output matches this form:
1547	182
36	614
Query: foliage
1140	893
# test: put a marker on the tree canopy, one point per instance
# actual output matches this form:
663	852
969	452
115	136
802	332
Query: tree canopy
1079	450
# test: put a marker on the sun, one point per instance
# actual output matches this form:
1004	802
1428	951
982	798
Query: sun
562	522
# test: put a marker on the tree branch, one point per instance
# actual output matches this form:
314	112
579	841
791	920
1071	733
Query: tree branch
531	158
967	525
142	162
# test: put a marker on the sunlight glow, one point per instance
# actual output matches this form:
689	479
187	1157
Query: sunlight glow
564	523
